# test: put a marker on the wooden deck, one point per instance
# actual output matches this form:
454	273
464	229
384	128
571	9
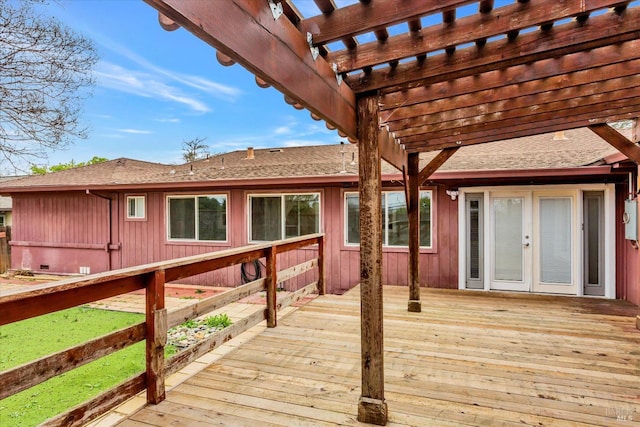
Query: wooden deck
470	358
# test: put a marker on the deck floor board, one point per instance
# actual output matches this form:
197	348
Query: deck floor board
470	358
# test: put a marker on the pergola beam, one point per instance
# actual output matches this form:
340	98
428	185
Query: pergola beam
533	106
516	16
522	129
546	69
588	106
598	31
617	140
369	16
273	50
581	83
391	151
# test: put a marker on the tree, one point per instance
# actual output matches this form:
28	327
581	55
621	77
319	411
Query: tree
194	150
41	170
44	67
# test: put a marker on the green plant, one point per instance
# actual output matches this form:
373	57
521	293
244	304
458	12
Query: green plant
191	323
199	291
170	350
218	321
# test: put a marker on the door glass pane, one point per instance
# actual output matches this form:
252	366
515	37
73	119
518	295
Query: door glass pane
474	239
508	238
593	240
555	240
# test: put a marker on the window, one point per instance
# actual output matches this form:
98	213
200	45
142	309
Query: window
200	218
275	217
395	223
3	221
135	207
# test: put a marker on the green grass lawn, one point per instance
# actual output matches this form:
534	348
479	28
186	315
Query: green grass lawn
31	339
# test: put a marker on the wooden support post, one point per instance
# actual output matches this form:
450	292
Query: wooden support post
413	205
156	335
321	273
372	407
271	281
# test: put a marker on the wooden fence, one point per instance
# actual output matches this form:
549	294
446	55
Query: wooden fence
152	278
5	249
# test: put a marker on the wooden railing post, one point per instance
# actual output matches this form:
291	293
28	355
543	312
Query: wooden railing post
321	279
156	319
271	281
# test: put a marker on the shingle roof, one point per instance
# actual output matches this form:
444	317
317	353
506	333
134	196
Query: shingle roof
5	202
580	148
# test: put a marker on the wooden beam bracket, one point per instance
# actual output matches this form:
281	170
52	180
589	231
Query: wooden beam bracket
617	140
435	163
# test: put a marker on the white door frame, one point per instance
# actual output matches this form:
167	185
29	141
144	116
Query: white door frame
609	262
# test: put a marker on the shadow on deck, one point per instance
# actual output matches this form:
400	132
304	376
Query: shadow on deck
470	358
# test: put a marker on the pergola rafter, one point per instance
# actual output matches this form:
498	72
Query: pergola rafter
411	76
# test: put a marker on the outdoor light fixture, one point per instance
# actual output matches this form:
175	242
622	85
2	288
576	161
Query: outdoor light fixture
453	194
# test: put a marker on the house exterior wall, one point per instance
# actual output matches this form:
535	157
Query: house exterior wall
66	231
60	232
628	260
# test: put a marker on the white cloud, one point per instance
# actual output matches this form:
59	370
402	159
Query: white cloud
146	85
169	77
168	120
282	130
135	131
111	135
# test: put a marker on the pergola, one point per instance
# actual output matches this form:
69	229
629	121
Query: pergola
401	77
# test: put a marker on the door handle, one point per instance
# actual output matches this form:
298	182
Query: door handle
525	244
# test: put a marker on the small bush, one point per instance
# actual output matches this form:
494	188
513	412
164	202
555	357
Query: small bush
218	321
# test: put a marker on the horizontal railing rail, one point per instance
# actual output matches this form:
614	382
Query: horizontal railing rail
152	277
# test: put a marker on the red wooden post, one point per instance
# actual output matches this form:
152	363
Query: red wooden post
321	274
413	204
372	407
156	319
271	279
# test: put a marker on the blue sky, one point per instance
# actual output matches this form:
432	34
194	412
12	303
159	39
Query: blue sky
156	89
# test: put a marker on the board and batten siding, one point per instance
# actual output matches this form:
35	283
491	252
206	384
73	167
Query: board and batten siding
627	256
60	232
438	265
77	219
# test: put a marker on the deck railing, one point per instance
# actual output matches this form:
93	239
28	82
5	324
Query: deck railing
152	278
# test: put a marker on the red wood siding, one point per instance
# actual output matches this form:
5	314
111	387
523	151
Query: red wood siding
60	232
627	256
77	218
68	230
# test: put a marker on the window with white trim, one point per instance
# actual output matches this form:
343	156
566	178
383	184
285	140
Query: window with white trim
135	207
280	216
198	218
395	222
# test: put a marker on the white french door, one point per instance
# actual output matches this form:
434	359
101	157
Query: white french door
555	257
533	241
510	240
